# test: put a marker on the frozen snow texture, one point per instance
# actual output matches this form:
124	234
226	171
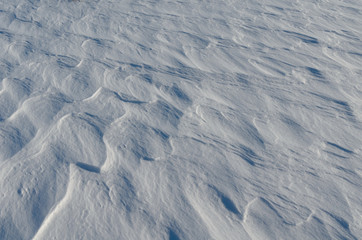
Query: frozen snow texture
134	119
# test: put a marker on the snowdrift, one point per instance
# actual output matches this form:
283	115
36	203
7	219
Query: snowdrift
236	119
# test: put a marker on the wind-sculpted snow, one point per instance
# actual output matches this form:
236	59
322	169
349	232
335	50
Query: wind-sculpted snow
180	119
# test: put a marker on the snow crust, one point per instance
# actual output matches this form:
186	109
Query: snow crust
189	119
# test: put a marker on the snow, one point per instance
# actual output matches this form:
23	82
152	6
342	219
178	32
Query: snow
236	119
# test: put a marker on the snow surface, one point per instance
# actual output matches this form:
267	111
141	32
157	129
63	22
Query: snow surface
188	119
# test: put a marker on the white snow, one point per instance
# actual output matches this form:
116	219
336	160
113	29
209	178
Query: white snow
189	119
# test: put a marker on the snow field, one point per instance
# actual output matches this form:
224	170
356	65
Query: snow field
180	119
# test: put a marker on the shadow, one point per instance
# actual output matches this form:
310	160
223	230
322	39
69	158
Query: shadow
173	235
87	167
